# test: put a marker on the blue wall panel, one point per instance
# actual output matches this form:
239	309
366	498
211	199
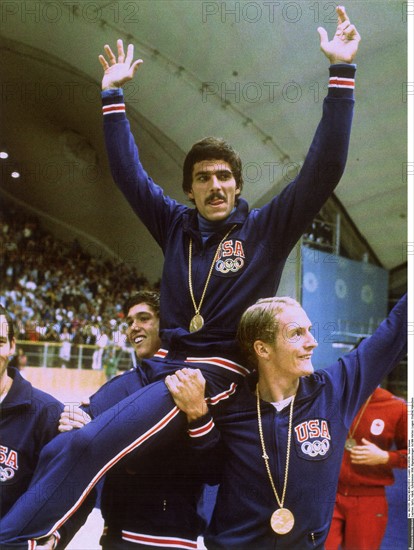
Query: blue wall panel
343	298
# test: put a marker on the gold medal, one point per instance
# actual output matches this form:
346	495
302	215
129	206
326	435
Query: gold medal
349	443
196	323
282	521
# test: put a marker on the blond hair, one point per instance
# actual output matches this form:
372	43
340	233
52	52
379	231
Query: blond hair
261	322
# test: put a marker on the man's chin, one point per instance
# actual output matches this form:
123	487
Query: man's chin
217	215
139	349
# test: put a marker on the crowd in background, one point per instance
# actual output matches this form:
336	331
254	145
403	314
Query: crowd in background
56	291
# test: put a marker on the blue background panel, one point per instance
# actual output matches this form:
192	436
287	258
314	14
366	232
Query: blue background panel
343	298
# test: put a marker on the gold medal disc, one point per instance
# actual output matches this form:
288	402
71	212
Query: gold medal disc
282	521
196	323
349	443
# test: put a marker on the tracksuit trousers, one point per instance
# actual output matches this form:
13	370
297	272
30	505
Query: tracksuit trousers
72	463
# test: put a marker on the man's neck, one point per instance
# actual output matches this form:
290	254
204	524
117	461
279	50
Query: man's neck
5	384
273	388
211	226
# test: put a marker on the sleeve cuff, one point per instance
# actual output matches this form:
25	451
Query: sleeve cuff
397	459
114	92
346	67
57	539
201	427
342	80
113	102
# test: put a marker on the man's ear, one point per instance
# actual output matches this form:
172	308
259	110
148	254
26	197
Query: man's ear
238	191
260	348
12	346
190	195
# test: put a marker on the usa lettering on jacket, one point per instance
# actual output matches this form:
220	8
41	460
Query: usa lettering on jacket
231	258
9	463
313	439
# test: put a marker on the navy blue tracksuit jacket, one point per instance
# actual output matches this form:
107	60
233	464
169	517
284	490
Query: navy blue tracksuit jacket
258	245
325	405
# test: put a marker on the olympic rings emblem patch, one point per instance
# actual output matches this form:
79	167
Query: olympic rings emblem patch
6	473
230	264
314	448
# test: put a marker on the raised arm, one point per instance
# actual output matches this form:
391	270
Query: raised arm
146	198
288	214
363	369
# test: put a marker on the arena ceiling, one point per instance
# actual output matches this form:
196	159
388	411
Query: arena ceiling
249	71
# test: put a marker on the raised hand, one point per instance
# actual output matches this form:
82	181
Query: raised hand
344	45
116	73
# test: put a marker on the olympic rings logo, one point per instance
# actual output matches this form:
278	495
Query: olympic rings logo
316	447
230	264
6	473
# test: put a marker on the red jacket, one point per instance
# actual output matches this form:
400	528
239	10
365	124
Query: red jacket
384	423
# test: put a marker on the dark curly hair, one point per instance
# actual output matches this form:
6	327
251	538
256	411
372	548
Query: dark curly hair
150	297
211	148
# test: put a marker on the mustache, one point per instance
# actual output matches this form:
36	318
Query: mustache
215	195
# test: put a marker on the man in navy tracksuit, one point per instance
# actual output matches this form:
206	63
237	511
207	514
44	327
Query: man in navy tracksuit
278	443
152	500
28	421
219	258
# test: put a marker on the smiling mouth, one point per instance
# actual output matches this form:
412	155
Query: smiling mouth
138	339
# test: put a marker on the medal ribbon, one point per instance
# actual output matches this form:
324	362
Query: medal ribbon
190	283
265	455
351	435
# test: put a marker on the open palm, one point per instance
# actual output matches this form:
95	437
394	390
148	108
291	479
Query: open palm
117	72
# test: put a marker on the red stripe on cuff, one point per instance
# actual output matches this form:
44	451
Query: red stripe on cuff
203	430
115	108
338	82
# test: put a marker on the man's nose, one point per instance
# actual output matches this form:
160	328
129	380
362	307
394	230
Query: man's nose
215	182
311	341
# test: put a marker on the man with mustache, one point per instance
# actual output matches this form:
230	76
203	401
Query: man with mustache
219	258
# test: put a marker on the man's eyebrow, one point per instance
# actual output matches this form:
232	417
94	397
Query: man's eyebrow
136	315
214	171
295	327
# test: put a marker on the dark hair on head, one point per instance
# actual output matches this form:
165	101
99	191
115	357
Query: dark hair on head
10	325
211	148
150	297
